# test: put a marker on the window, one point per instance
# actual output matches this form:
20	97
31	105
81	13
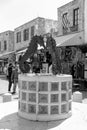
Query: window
18	39
75	16
26	34
5	45
0	46
32	31
64	21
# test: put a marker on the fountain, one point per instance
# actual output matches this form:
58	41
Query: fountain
43	96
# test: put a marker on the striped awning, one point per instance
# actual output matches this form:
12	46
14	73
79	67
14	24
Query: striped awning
6	54
70	40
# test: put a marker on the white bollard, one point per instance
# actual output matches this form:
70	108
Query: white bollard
7	97
77	97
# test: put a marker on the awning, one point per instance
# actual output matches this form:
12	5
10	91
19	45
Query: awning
21	51
70	40
6	55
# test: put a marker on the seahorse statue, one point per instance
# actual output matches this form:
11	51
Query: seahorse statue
56	63
32	49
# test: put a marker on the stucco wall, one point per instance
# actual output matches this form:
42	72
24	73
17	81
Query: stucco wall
7	36
21	28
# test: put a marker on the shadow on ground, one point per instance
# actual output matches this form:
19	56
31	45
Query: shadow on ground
15	122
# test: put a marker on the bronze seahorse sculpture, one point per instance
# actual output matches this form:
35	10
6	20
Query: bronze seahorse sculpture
32	49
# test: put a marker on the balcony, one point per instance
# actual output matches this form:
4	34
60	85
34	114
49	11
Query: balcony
74	28
65	31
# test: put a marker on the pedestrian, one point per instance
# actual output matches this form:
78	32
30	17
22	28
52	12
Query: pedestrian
5	69
9	76
14	77
7	72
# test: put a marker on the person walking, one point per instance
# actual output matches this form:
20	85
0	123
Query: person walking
9	76
14	77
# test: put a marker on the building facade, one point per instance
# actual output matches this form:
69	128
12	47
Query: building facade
72	23
6	42
24	33
71	17
38	26
6	48
72	39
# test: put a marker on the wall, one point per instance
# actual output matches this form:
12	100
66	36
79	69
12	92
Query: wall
11	41
85	20
51	26
7	36
23	43
68	8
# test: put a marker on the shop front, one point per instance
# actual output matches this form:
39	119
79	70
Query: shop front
6	58
73	57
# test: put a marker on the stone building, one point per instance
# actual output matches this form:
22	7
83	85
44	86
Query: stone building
72	23
72	39
6	47
6	42
24	33
71	17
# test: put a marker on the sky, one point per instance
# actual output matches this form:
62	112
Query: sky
14	13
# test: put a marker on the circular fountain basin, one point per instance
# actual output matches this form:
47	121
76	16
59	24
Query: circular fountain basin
45	97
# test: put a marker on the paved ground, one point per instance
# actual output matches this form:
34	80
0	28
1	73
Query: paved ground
10	120
4	89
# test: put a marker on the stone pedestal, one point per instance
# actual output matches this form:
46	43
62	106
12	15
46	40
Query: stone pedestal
45	97
7	97
77	96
